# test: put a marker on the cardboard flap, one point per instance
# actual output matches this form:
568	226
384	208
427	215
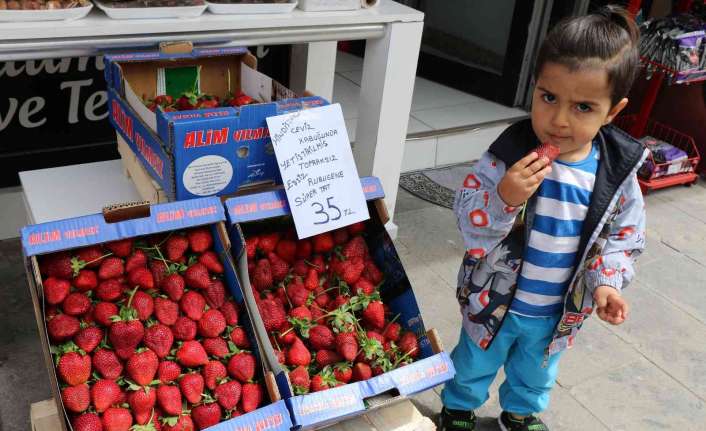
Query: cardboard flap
126	211
273	203
183	47
93	229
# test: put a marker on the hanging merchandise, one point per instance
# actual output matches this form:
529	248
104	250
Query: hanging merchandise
674	44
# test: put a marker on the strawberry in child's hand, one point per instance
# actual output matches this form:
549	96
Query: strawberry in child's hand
197	276
228	394
105	393
251	397
76	398
56	290
548	150
169	399
242	367
206	415
191	386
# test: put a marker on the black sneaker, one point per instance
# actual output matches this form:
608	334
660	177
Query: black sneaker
457	420
530	423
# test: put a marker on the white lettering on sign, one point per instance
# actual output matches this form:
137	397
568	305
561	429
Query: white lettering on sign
318	170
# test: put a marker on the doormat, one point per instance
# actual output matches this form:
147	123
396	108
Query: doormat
436	185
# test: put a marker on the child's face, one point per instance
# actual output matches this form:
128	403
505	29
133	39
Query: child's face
569	107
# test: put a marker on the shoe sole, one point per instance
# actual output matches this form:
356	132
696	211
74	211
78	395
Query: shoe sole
502	426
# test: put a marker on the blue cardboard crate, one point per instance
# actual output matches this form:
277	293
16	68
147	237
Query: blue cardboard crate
319	409
206	152
95	229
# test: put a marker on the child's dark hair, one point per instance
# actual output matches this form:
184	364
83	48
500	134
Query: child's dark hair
608	38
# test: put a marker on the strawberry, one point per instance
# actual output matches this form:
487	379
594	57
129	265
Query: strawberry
409	345
90	257
143	304
273	315
120	248
374	314
322	381
57	265
323	243
392	332
278	266
159	339
340	236
51	312
104	393
373	335
262	276
372	273
193	305
322	298
287	250
312	280
301	313
211	261
89	338
142	366
87	422
159	271
166	311
548	150
343	372
85	280
299	378
300	268
206	415
142	277
168	371
182	423
191	386
109	290
317	262
322	338
303	249
176	246
111	267
142	401
200	240
213	372
228	394
317	314
298	293
103	311
192	354
196	276
327	357
173	286
184	329
63	327
125	335
212	324
298	354
361	372
363	286
351	270
286	335
117	419
74	368
107	364
268	242
356	228
169	399
347	345
56	290
215	347
281	358
215	294
340	300
187	102
241	366
76	398
240	338
136	260
251	397
230	312
76	304
251	246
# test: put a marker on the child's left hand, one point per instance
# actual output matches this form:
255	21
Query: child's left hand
610	306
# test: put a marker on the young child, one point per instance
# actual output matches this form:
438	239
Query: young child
548	240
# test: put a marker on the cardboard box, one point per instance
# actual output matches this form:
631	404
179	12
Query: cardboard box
43	416
263	210
134	220
205	152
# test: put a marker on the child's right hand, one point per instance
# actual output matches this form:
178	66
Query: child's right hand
523	179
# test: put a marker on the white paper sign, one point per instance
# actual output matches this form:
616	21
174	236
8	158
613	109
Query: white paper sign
318	171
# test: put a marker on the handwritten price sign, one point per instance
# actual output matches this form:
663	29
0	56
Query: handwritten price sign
318	171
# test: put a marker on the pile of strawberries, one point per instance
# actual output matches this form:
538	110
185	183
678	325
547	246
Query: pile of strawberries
319	300
145	334
192	101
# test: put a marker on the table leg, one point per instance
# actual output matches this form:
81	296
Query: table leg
389	70
312	68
